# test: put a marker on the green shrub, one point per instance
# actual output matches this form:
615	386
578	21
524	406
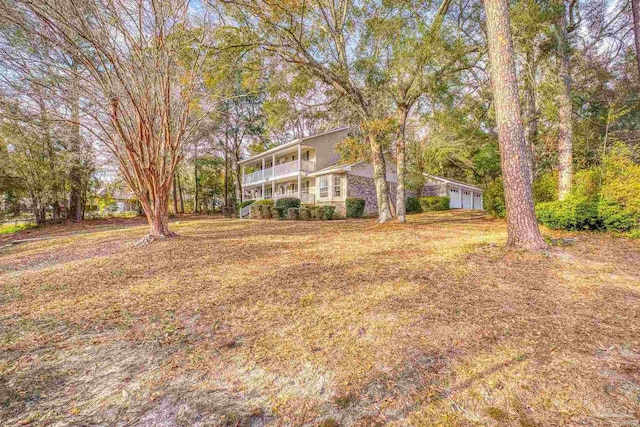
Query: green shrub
412	205
545	187
305	212
317	212
245	203
635	234
586	183
266	202
434	203
621	178
228	211
293	214
613	217
265	210
355	207
329	212
493	199
574	213
584	213
283	205
255	211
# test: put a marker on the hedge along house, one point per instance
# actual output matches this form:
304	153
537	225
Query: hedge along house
309	168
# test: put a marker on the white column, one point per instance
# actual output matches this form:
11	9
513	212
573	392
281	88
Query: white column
242	180
299	183
263	187
273	190
273	165
299	161
263	168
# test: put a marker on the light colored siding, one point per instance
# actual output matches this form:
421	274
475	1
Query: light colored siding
365	170
324	146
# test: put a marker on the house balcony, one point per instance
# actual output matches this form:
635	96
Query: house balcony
278	171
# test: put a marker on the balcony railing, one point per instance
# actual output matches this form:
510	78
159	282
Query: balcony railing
278	170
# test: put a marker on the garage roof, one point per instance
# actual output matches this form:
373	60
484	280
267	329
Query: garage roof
454	182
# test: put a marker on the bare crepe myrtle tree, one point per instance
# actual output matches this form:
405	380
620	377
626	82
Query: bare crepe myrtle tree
144	64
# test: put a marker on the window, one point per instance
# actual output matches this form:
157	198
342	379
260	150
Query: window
290	188
305	187
337	186
324	186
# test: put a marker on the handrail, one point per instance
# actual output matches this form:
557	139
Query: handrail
279	170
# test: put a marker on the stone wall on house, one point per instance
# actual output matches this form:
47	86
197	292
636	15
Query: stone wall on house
364	188
434	190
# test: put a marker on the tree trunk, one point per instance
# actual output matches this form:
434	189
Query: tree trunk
563	98
175	195
401	167
380	179
156	209
635	10
197	181
226	177
523	231
56	211
239	182
180	194
75	173
38	211
531	111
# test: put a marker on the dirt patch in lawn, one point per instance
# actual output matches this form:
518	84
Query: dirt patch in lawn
349	323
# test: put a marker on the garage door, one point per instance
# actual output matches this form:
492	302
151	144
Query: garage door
454	195
467	200
477	201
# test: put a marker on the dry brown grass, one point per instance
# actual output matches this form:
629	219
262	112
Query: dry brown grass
346	323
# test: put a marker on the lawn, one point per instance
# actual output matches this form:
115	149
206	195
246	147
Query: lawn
337	323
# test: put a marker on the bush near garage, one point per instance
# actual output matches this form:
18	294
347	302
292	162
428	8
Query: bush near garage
434	203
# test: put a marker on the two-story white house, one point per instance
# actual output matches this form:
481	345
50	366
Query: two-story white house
309	168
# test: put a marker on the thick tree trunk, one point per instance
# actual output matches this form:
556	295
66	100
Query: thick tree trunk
401	167
156	209
635	10
75	174
523	231
565	124
380	179
531	111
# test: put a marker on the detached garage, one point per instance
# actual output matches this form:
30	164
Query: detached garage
461	195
